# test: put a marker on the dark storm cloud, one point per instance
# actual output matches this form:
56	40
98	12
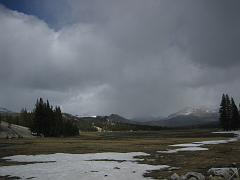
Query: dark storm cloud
213	33
207	30
130	57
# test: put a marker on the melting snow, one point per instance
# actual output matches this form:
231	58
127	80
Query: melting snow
186	145
196	146
105	166
184	149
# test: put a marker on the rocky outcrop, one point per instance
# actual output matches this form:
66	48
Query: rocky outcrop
188	176
175	176
223	173
194	176
213	174
13	131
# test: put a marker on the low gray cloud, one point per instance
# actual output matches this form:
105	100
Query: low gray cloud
129	57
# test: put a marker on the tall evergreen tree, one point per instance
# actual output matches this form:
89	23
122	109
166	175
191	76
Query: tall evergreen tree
57	125
37	118
223	113
228	113
235	116
238	121
25	118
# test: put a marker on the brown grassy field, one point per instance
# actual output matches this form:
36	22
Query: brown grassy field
149	142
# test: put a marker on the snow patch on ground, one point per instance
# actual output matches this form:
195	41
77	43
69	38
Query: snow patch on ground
196	146
60	166
185	145
107	166
184	149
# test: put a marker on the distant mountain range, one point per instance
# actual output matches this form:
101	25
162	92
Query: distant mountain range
112	122
146	119
187	117
194	111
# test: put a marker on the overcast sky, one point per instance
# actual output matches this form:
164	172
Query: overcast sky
131	57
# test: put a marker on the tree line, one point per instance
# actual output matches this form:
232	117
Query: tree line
229	114
44	120
49	121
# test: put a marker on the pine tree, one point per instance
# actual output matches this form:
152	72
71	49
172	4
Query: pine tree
36	120
235	116
57	126
228	113
39	122
238	121
223	113
25	118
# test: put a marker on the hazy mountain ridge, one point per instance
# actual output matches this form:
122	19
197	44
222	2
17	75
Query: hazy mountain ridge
146	119
190	116
187	117
194	111
112	122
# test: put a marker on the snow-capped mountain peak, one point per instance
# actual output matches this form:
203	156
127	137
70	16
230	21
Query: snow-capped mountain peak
195	111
